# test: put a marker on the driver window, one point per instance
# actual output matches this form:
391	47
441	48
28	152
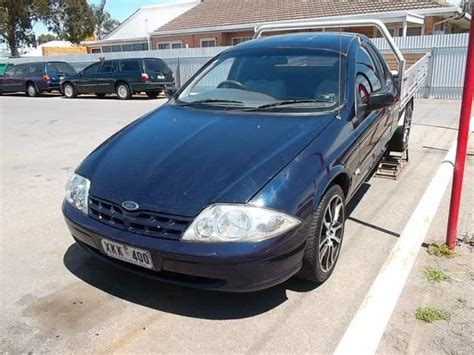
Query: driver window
213	77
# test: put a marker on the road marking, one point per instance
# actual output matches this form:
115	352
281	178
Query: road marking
368	326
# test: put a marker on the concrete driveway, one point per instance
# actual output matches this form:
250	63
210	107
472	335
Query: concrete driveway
55	297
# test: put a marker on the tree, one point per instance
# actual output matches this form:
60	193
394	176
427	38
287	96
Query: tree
104	23
16	21
71	20
45	38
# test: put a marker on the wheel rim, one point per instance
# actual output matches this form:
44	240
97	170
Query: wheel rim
407	128
68	90
122	91
31	90
331	233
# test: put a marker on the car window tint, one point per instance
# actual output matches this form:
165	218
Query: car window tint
19	69
60	67
107	67
366	66
10	71
36	68
129	65
156	65
92	69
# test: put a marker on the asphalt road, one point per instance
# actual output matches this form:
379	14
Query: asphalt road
56	298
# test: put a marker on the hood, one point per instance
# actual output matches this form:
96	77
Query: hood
179	160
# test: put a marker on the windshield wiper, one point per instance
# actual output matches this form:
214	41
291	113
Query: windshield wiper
291	102
213	101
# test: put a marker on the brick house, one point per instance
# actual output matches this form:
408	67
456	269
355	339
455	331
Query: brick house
229	22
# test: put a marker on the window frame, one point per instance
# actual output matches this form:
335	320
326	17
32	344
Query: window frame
208	40
99	65
239	38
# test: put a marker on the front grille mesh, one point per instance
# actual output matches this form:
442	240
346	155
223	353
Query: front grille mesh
151	224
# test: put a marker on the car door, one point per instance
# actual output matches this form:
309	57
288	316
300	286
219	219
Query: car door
106	77
371	125
86	82
18	78
6	81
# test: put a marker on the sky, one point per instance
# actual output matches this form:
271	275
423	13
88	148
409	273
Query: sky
121	9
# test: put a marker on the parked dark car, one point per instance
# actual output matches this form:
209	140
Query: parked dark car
35	78
121	76
241	180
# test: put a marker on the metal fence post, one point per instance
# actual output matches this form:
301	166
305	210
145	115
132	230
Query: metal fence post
429	78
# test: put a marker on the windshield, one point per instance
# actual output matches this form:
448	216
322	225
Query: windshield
270	79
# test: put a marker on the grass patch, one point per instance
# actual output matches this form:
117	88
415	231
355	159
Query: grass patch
430	315
436	275
440	250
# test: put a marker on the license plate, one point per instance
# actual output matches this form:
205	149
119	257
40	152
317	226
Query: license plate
127	253
160	77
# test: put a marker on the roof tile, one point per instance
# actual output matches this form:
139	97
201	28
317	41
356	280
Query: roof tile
213	13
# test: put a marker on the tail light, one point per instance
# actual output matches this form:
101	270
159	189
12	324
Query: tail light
45	77
145	78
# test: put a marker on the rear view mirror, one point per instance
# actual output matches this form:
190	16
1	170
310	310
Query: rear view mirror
170	91
379	100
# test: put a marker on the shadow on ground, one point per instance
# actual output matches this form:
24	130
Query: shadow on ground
172	298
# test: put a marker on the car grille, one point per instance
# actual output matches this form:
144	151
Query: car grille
150	224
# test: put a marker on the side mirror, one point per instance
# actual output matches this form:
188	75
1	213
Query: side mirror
170	91
381	99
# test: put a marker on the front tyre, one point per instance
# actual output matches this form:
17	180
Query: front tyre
123	91
399	141
69	91
325	237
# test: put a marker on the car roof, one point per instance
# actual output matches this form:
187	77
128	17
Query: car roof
338	42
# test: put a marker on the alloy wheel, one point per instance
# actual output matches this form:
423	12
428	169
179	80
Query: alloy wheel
31	90
331	233
68	90
122	91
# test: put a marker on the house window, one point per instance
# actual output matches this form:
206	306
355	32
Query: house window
168	45
106	49
127	47
238	40
208	42
116	48
140	46
96	50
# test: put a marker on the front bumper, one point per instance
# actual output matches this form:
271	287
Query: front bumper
233	267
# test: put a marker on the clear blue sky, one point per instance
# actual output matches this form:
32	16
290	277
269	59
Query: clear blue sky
121	9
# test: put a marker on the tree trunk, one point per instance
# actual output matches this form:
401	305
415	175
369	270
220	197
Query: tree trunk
13	46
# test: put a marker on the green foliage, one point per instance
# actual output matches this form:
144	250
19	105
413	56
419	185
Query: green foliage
71	20
436	275
17	18
429	315
104	23
45	38
440	250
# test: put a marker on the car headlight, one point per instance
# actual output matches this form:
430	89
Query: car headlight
238	223
77	192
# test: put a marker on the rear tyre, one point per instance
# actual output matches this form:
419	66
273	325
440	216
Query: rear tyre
399	141
31	90
325	237
123	91
152	94
69	91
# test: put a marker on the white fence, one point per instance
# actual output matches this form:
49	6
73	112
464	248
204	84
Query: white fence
445	79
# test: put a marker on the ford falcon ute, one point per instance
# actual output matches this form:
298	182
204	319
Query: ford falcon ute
241	180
